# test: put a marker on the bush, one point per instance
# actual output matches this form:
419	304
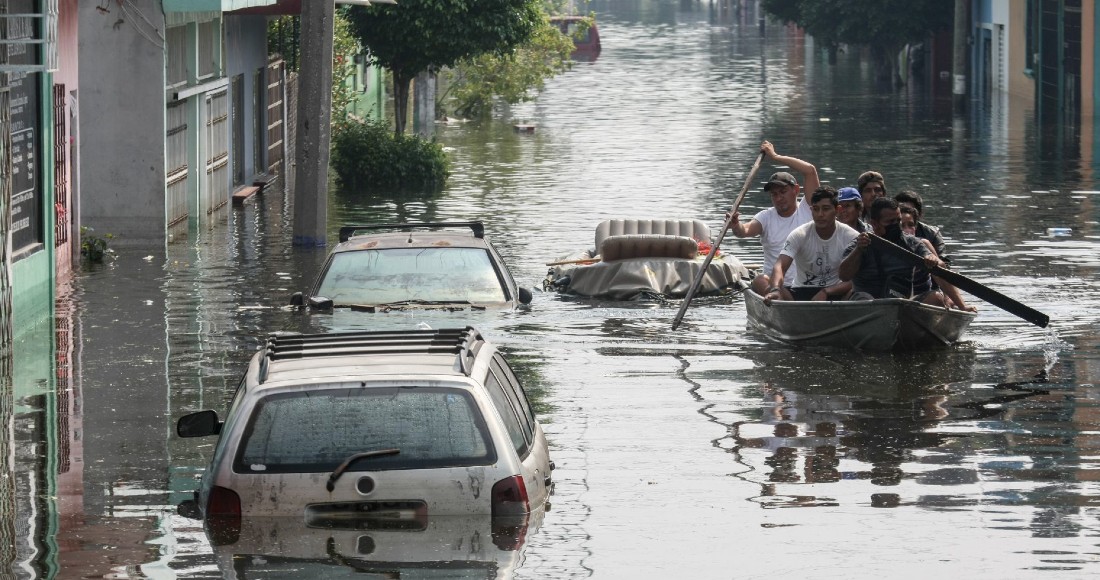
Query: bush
367	156
92	247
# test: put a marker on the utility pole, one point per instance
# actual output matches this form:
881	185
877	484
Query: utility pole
311	151
962	33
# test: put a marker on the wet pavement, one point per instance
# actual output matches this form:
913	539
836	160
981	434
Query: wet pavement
709	452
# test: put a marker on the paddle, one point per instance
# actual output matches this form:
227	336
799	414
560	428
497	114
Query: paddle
580	261
718	242
963	283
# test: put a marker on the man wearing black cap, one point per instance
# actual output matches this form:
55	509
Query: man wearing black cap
774	224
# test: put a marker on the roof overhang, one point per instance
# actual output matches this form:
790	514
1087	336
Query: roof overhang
283	7
216	5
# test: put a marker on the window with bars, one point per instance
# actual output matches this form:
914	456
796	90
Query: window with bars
26	25
208	53
177	55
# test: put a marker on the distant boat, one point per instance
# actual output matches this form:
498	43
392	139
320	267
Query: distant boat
587	46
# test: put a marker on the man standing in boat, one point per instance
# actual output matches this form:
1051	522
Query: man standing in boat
787	212
816	248
876	273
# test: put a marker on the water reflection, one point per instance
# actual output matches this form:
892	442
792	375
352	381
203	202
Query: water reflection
431	547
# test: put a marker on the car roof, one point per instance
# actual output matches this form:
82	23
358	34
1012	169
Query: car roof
427	239
312	358
415	235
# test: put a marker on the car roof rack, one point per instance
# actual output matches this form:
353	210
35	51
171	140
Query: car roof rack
346	232
464	343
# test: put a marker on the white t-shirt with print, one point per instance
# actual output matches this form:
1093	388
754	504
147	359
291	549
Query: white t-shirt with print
817	260
775	231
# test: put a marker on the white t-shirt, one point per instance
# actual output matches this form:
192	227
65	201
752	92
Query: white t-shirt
817	260
776	229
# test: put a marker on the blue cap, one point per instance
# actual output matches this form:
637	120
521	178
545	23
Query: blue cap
848	194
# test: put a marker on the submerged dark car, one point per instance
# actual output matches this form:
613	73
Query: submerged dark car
413	265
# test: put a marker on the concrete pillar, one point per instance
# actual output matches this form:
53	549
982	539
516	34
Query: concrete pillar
314	124
962	34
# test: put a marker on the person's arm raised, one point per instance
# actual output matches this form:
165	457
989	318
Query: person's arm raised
810	180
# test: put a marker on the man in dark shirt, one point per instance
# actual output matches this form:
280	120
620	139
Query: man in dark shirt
931	233
876	273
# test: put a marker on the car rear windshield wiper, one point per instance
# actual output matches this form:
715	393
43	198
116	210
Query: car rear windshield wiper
336	473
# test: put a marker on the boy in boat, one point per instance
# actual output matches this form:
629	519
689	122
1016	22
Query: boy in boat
774	224
816	249
849	209
871	186
913	199
877	273
910	225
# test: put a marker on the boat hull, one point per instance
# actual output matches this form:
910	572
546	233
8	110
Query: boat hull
879	325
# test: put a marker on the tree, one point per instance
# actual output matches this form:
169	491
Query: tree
512	77
282	39
885	26
427	35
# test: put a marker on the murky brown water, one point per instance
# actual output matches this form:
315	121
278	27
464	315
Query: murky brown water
675	451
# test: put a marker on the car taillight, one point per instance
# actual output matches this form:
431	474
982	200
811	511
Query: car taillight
223	502
223	516
510	497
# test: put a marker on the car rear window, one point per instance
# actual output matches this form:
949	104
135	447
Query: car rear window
315	431
448	274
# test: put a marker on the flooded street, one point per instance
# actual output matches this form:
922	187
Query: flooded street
708	452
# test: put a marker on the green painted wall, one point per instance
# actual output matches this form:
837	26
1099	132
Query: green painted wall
34	277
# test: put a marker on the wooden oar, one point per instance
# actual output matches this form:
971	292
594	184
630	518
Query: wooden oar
963	283
718	242
580	261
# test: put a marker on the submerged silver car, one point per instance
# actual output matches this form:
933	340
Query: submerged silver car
402	424
418	265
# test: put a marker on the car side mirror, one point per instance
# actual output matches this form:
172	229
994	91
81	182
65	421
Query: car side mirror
199	424
524	296
296	299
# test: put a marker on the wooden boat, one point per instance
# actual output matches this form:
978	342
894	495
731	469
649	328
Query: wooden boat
633	258
881	325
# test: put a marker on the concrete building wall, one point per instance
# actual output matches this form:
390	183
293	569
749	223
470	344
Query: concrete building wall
122	132
68	75
1020	83
246	55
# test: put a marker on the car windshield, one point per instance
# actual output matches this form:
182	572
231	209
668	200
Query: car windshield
314	431
370	277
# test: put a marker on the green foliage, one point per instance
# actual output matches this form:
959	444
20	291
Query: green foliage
427	35
344	47
513	77
883	25
368	156
283	40
92	247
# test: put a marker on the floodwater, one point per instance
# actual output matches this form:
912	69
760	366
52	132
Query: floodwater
708	452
